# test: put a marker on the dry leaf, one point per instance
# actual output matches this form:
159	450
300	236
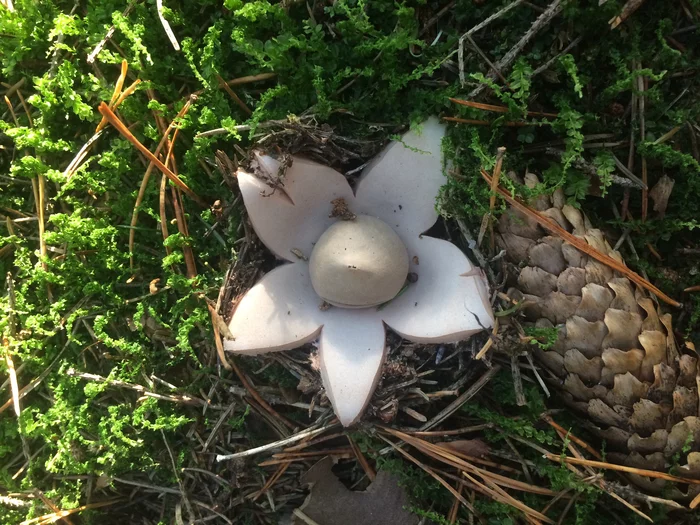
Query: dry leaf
469	447
153	286
332	503
660	194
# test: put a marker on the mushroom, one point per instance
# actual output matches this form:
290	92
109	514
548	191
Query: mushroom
371	263
358	263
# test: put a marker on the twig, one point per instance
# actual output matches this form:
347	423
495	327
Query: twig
235	97
55	516
177	476
430	471
630	7
505	62
486	220
498	109
641	84
576	41
466	396
582	245
369	471
430	23
486	59
590	169
303	517
476	28
276	444
14	386
254	394
184	398
517	382
166	27
101	44
244	80
476	122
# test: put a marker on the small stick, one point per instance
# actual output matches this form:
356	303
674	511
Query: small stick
498	109
630	7
101	44
185	399
26	108
478	27
147	175
576	41
466	396
244	80
486	221
369	471
271	481
505	62
255	395
14	385
641	82
517	382
430	23
488	61
233	95
276	444
166	27
484	122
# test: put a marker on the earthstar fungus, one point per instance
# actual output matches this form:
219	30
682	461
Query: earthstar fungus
371	263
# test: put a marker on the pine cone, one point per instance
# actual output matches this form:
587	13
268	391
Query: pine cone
616	358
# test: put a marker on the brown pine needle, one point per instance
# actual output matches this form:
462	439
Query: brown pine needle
361	459
128	91
430	471
55	516
695	502
571	437
121	128
234	96
622	468
485	122
582	245
254	394
498	109
26	108
14	385
630	7
120	83
147	175
245	80
217	339
450	458
270	482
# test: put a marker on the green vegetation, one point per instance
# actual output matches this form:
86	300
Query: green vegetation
366	69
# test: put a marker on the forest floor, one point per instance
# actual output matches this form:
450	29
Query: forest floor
117	396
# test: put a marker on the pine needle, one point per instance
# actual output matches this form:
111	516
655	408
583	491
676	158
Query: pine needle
582	245
121	128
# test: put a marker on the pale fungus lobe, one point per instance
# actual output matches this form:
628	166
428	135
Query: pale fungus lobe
357	263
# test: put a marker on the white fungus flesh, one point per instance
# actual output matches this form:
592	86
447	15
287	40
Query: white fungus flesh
359	263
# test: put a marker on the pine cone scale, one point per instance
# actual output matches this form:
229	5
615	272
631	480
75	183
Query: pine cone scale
616	356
